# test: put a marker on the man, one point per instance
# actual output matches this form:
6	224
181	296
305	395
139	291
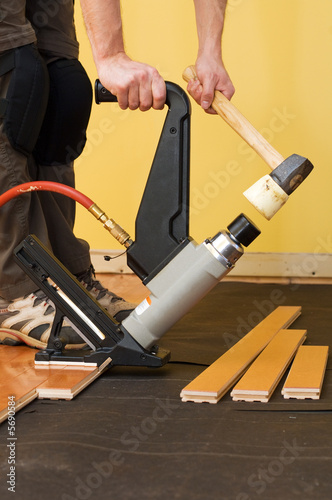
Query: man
45	100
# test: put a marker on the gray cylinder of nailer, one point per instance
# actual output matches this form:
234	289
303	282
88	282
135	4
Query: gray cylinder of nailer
182	283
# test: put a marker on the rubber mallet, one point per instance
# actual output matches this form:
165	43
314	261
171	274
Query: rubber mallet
271	192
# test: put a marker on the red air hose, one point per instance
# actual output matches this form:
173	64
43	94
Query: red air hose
46	186
116	231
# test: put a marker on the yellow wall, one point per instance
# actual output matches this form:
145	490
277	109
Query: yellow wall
279	55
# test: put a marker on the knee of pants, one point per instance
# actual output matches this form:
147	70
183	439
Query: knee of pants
63	134
46	109
23	107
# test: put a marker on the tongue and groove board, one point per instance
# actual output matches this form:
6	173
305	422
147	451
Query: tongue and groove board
263	376
306	375
17	378
211	385
23	380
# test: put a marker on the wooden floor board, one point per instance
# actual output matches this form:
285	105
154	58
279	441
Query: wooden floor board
306	376
9	352
22	387
19	404
67	383
261	379
24	381
216	380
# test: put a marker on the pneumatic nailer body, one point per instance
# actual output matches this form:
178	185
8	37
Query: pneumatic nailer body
176	270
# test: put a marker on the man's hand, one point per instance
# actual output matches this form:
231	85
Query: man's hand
211	76
135	84
210	70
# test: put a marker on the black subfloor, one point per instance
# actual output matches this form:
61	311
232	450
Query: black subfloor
129	436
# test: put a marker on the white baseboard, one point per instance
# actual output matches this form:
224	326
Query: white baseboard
288	265
117	264
297	265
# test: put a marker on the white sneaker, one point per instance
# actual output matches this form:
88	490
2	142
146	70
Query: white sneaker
28	320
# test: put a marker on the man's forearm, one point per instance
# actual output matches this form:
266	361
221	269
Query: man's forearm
210	15
104	27
140	85
136	85
210	69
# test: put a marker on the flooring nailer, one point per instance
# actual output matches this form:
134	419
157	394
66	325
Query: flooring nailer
176	271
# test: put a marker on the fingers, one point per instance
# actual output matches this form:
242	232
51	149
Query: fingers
159	93
229	91
151	91
122	96
207	94
136	85
202	89
195	89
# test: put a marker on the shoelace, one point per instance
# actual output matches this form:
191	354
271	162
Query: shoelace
87	278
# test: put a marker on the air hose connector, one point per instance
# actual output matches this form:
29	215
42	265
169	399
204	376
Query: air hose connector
116	231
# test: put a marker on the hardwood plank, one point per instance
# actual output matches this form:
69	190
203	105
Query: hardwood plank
68	383
20	403
22	387
10	352
12	369
20	377
306	375
219	377
24	382
263	376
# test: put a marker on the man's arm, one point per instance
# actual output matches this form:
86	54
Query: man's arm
139	85
210	70
135	84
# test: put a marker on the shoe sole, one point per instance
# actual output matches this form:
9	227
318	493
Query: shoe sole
14	338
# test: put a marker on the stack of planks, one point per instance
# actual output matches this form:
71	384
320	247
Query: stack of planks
22	381
261	358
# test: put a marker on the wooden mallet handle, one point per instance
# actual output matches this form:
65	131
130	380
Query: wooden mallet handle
240	124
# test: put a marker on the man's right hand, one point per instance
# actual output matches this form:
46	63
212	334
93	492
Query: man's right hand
136	85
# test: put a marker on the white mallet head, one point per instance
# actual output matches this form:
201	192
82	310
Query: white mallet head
272	191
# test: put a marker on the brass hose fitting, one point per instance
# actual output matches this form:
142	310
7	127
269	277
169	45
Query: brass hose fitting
116	231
